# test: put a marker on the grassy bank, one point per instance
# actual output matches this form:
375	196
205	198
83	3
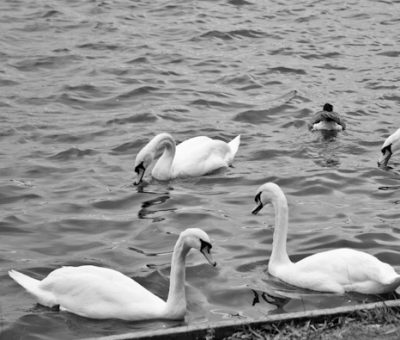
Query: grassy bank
380	323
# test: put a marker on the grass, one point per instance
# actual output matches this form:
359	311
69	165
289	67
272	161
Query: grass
381	323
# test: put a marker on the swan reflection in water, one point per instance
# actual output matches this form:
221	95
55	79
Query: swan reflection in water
288	298
147	213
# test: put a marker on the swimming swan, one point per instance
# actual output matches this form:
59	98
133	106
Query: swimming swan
390	145
193	157
102	293
336	271
327	119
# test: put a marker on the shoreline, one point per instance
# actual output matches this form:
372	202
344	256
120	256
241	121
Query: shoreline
302	323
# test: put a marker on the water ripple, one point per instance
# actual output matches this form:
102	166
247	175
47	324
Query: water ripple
84	85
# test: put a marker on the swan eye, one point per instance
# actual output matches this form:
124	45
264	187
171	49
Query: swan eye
388	148
139	167
257	199
205	246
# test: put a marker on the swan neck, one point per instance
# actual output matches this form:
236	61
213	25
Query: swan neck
176	302
279	252
162	169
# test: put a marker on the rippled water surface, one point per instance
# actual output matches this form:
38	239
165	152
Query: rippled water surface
84	84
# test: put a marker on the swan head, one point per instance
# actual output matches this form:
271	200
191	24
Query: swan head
391	144
198	239
142	162
266	193
150	152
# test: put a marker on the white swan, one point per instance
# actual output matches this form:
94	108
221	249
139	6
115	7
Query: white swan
193	157
102	293
327	119
336	271
391	144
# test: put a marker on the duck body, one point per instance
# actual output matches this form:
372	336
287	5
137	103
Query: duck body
193	157
327	119
103	293
336	271
327	125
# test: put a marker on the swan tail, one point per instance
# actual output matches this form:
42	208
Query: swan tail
394	284
234	145
31	285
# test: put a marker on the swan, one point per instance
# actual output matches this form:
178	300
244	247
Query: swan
327	119
390	145
193	157
335	271
102	293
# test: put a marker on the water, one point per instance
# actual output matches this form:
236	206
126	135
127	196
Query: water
84	84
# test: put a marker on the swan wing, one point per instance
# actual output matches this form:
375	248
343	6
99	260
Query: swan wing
201	155
350	269
98	292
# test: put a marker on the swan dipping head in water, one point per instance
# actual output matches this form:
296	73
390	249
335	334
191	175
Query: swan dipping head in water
196	156
391	144
336	271
103	293
327	119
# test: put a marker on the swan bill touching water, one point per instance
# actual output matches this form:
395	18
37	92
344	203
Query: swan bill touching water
327	120
335	271
391	144
102	293
193	157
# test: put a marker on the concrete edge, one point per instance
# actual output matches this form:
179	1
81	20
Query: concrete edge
225	328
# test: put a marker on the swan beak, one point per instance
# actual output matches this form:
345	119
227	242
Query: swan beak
384	159
257	208
140	170
206	252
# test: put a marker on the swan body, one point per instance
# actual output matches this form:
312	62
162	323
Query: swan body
193	157
391	144
327	119
103	293
336	271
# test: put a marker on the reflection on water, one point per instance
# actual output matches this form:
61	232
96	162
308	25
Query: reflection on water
328	147
146	211
84	85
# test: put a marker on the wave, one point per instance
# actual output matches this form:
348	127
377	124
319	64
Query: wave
72	153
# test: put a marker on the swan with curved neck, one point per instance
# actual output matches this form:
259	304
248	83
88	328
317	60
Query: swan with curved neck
336	271
102	293
193	157
327	119
391	144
